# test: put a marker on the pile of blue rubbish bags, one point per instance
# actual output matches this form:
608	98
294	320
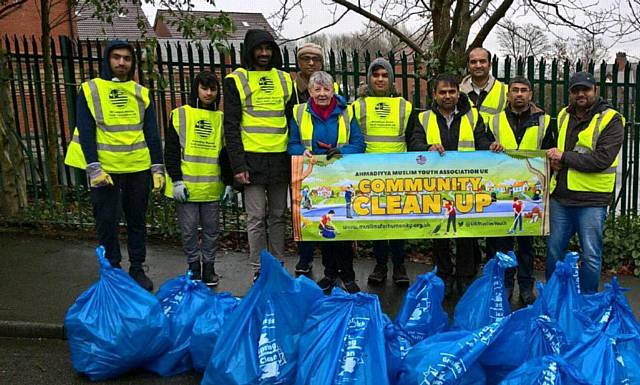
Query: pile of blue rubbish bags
286	331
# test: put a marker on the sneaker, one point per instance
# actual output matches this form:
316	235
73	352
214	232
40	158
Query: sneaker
379	274
400	276
137	273
351	287
209	276
303	267
527	297
326	283
195	268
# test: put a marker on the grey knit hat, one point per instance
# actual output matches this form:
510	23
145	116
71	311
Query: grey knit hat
381	63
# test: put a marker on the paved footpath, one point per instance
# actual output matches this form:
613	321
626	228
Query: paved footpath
40	277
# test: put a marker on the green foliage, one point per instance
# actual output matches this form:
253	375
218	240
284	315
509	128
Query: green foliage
622	244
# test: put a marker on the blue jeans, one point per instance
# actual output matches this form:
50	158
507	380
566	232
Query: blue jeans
588	222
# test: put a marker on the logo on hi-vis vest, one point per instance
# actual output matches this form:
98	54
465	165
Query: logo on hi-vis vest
266	84
203	128
118	98
382	109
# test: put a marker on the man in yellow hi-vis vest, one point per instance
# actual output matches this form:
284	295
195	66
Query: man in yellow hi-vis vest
310	60
257	106
451	124
521	126
386	121
196	163
117	142
486	93
590	135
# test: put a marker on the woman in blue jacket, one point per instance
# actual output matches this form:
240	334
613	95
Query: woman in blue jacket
325	126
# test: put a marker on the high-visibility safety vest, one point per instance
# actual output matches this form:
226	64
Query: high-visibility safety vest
118	109
263	95
603	181
466	141
383	121
200	133
304	120
495	101
336	90
533	135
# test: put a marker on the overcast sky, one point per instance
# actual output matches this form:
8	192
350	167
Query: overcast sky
317	15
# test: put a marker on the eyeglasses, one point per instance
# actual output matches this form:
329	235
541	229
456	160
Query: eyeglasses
308	59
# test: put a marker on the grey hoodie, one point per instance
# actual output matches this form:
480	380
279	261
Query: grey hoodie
375	64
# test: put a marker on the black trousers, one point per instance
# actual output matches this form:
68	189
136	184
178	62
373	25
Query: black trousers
132	190
524	254
337	259
381	250
466	259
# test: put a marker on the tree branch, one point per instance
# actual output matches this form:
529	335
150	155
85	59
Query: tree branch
7	9
490	23
319	29
482	9
446	43
379	20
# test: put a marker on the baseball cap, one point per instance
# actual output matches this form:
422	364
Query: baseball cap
582	79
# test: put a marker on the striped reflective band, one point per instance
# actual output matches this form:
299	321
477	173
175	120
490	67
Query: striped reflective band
403	106
388	139
363	116
347	125
200	159
466	143
116	147
496	127
541	130
249	104
471	121
596	129
264	130
425	120
97	107
200	179
182	120
491	110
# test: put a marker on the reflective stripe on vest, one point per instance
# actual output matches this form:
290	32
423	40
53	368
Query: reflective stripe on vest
383	121
533	136
118	109
495	101
305	123
200	136
264	95
466	141
603	181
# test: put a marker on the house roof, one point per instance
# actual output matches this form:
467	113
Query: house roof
243	21
519	184
123	26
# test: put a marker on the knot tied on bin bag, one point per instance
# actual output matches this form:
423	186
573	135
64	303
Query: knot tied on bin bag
343	342
182	300
115	325
258	343
421	314
486	301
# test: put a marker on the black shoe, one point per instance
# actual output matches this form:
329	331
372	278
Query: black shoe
509	291
326	283
351	287
137	273
379	275
209	276
527	297
303	267
195	268
400	276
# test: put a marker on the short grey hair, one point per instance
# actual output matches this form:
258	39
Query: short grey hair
321	77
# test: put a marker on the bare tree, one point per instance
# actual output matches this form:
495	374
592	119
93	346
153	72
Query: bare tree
449	22
522	40
584	47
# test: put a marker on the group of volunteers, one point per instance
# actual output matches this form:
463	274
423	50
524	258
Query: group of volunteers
270	115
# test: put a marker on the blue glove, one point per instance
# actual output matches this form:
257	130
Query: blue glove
229	195
180	192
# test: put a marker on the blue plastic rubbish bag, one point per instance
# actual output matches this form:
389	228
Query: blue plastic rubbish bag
207	327
398	343
546	338
258	343
421	314
572	258
546	370
562	302
446	358
343	342
485	301
114	326
182	300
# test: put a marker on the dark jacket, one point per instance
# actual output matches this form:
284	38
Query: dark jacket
263	168
519	122
87	125
450	136
172	149
607	148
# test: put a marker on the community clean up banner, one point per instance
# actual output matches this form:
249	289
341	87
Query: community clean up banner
420	195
